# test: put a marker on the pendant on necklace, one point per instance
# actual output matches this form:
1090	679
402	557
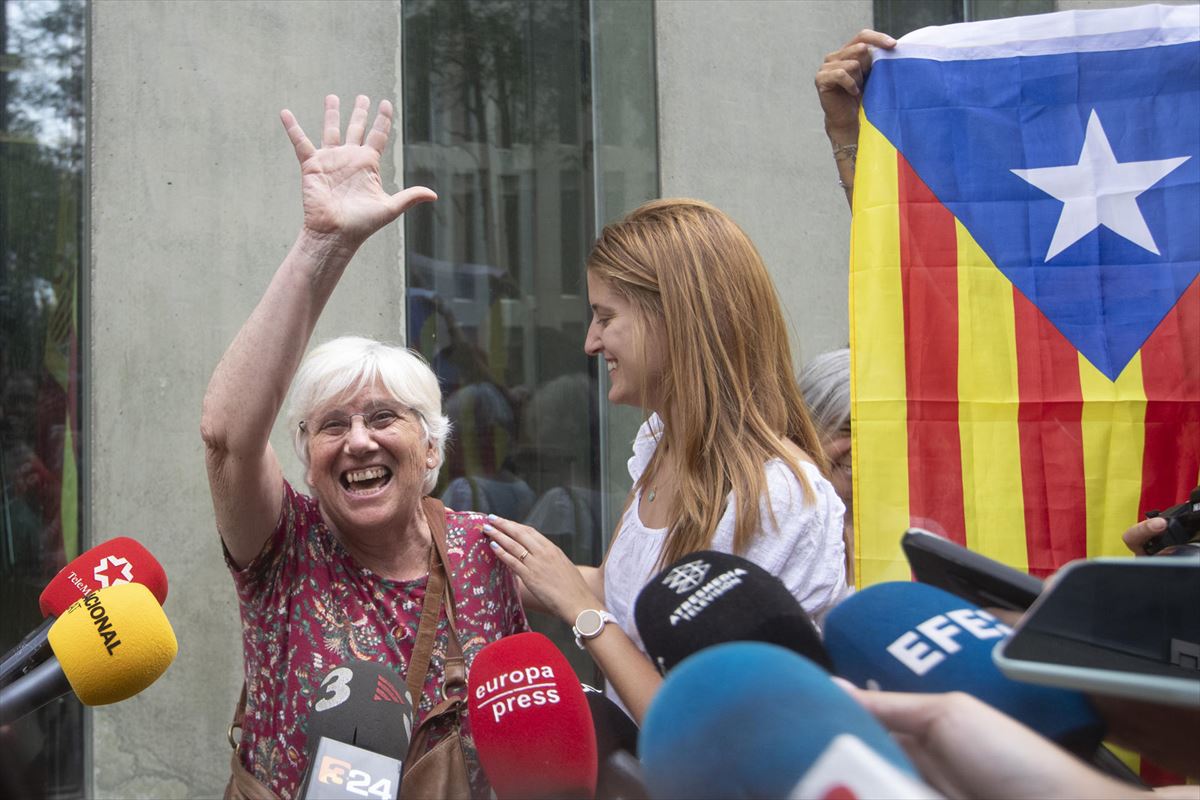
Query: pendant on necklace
650	497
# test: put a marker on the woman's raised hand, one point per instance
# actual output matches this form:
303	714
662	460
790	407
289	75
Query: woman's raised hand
840	82
342	191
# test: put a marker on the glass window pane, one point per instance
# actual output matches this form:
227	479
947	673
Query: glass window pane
41	181
499	120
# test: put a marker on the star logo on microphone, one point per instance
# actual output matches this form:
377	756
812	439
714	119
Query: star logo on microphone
104	572
686	577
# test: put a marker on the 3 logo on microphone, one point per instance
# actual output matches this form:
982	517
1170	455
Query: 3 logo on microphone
521	688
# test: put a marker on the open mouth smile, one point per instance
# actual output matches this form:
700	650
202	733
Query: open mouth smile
366	480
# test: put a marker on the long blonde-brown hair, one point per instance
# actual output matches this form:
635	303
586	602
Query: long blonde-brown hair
727	395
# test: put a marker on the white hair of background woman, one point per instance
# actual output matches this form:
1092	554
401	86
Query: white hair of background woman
344	366
825	384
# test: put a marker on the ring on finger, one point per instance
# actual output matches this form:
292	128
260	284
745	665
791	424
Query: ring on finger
523	556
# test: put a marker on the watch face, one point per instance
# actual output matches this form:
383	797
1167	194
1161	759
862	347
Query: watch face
589	623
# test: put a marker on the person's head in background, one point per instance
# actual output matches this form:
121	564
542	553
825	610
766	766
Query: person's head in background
825	384
690	326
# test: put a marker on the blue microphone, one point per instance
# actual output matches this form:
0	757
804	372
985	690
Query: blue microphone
749	719
912	637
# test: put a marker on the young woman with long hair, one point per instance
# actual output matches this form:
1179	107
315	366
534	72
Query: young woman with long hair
690	328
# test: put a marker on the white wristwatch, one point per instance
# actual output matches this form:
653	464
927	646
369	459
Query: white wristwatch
589	624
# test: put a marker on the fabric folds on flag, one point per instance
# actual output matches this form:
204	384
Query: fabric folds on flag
1025	306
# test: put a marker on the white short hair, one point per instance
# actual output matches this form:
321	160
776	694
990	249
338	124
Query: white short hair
825	384
346	365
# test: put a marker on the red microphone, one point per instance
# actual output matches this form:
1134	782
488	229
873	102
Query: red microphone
531	723
117	561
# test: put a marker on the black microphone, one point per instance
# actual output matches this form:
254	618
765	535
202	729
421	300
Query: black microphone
358	734
616	742
709	598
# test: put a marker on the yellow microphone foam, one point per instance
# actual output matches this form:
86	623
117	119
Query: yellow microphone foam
113	643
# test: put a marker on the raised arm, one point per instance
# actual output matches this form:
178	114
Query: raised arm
344	203
839	84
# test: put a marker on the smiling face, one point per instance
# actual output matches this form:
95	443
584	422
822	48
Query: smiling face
368	475
635	367
837	450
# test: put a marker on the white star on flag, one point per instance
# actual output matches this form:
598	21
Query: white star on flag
1099	190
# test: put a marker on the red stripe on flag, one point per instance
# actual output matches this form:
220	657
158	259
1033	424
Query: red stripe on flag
929	279
1171	459
1051	435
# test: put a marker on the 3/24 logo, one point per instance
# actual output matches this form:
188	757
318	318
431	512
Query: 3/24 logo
339	772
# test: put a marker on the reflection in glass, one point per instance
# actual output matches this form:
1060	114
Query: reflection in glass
498	119
41	181
898	17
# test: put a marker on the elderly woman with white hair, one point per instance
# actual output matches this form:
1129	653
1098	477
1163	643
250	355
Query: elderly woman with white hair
825	384
340	574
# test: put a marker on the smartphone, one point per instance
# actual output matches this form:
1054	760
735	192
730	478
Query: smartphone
1118	626
982	580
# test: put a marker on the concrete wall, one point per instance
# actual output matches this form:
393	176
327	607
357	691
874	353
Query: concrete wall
740	127
194	202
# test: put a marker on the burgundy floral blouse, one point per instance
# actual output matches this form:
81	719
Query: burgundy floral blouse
308	607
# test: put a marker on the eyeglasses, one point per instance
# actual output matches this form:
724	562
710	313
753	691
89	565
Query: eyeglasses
337	425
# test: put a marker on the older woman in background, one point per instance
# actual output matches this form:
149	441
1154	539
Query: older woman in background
825	384
339	575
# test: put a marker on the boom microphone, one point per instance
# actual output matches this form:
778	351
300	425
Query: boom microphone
117	561
532	727
911	637
359	730
107	647
749	719
709	598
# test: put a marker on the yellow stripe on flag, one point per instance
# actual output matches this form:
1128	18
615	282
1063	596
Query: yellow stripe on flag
988	401
878	404
1113	440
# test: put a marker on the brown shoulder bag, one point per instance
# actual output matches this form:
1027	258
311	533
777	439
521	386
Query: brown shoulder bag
440	774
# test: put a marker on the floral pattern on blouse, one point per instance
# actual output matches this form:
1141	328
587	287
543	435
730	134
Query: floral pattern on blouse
307	606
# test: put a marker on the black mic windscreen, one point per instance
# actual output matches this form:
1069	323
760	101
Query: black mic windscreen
365	704
709	598
615	730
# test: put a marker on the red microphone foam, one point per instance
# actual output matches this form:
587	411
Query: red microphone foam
117	561
530	720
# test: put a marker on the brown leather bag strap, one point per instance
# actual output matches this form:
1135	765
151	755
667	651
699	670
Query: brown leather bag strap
239	716
439	593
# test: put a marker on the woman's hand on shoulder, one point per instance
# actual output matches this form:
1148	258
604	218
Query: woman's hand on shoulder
343	195
544	569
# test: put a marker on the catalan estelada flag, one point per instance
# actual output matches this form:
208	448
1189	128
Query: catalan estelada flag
1025	306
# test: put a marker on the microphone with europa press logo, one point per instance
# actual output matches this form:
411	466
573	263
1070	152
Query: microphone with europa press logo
532	726
358	734
117	561
708	598
911	637
749	719
107	646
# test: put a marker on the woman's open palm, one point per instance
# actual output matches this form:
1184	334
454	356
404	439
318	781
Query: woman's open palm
342	191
